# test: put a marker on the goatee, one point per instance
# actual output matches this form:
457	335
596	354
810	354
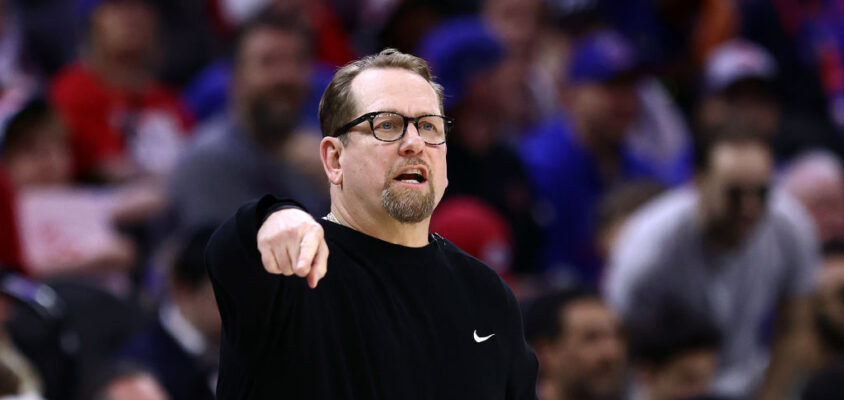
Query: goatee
407	205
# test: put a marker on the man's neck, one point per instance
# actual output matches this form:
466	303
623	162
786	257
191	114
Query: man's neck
382	227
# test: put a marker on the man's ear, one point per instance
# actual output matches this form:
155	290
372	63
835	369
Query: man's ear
330	150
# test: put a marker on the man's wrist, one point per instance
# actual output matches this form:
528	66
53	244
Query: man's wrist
271	205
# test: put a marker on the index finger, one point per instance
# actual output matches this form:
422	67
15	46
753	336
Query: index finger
308	248
320	265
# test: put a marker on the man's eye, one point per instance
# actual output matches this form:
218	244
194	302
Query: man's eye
386	125
427	126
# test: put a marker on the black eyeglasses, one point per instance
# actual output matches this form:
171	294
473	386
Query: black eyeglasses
390	126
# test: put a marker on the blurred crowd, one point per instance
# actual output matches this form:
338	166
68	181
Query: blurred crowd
660	181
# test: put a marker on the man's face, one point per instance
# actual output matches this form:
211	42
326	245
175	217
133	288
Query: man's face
606	110
126	32
136	387
686	376
44	160
755	99
824	200
272	73
516	21
590	350
373	170
734	190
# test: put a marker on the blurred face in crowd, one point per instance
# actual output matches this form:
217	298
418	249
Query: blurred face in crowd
516	21
404	179
603	112
272	73
125	32
589	353
43	159
685	376
734	191
754	99
479	113
823	196
135	387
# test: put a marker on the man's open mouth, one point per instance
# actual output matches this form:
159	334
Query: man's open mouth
412	175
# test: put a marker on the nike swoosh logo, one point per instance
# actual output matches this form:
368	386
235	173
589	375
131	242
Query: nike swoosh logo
479	339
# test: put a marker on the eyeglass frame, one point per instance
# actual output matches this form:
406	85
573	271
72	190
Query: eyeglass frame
370	116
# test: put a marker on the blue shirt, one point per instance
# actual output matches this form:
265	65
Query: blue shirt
569	187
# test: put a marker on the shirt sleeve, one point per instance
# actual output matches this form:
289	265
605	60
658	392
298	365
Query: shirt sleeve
629	265
246	294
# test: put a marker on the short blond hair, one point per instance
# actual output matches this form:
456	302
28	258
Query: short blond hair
337	106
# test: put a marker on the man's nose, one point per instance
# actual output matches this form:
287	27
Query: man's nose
412	142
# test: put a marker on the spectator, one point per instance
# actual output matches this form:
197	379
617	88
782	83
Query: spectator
467	56
251	149
816	179
55	227
577	339
128	382
17	76
675	359
724	249
520	27
828	307
122	122
477	229
575	157
617	206
182	345
739	78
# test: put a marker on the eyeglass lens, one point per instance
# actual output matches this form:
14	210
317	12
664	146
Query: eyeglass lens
390	126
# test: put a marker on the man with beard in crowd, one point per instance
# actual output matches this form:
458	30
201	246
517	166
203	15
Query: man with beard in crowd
398	313
579	343
731	250
247	152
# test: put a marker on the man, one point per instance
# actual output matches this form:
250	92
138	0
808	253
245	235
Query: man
675	359
127	382
723	249
181	346
816	179
574	157
828	316
398	313
467	58
252	149
123	123
577	339
739	77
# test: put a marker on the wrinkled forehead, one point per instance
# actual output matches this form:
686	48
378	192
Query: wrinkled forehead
393	89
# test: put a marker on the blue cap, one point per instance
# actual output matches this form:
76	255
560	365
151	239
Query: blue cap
457	50
601	57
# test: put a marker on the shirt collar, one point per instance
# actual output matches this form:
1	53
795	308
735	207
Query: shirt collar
185	334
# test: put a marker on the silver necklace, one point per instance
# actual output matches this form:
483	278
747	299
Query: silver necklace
330	217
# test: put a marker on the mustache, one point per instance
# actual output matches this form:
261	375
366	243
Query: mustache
409	161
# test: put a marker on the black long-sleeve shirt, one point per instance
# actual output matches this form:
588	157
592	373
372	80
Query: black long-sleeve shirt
386	322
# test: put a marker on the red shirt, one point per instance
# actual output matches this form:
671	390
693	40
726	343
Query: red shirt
100	117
